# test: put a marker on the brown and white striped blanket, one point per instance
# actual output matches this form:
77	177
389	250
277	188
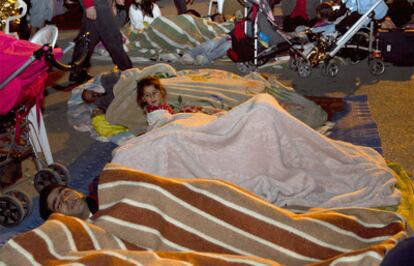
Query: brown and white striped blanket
147	219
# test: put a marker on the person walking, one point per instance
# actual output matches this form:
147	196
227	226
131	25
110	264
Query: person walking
100	21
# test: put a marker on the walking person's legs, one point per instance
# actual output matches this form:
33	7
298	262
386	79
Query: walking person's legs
110	35
181	6
79	73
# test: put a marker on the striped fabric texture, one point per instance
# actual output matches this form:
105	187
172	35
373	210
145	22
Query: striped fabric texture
173	35
149	219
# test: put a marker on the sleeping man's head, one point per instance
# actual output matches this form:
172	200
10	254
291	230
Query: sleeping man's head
64	200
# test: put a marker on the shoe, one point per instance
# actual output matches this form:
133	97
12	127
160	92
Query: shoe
170	58
79	77
200	60
187	59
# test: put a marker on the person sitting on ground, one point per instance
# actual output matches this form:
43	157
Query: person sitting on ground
65	200
142	13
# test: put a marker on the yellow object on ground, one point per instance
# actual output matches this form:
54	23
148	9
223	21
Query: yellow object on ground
406	185
104	128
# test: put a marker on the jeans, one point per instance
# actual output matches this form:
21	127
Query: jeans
212	49
181	6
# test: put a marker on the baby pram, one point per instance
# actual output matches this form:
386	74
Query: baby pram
22	133
247	52
325	48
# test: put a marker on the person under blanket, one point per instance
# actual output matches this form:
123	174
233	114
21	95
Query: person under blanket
151	95
139	211
102	100
208	51
65	200
142	13
259	146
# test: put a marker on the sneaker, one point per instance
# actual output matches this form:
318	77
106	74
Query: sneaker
187	59
79	77
171	58
200	60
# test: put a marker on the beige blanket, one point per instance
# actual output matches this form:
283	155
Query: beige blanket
149	219
209	88
261	147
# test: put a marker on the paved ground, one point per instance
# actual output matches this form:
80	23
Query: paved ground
391	99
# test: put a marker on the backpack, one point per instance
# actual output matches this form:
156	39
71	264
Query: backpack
242	44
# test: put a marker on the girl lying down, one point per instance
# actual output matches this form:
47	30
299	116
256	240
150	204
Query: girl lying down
261	147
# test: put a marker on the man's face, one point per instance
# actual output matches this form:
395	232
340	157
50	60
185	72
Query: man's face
69	202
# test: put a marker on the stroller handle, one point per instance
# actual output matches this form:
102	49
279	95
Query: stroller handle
66	67
47	52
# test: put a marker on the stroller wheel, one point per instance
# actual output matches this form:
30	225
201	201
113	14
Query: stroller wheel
243	68
293	64
11	211
24	200
46	177
332	69
376	67
62	171
304	68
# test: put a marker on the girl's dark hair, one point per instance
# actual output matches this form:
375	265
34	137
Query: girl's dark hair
193	13
44	209
146	7
216	15
148	81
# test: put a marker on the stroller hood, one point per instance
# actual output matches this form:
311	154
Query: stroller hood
27	87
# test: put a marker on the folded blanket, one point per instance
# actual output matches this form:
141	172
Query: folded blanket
202	222
261	147
173	35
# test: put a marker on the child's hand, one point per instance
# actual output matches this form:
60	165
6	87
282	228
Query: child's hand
97	111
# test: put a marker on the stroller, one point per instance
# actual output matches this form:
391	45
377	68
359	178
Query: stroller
323	50
22	132
247	51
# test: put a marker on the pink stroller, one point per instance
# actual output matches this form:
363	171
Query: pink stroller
22	133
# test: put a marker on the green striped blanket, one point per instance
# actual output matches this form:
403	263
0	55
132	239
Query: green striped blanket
173	35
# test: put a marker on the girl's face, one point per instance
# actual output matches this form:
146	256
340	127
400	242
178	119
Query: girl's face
152	96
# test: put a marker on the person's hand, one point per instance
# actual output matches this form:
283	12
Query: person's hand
120	2
91	13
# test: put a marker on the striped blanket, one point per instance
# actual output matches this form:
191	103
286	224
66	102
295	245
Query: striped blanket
173	35
149	219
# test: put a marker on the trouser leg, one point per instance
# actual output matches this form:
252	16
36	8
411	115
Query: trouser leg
110	35
180	6
86	26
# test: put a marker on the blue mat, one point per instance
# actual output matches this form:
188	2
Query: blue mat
82	171
353	125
